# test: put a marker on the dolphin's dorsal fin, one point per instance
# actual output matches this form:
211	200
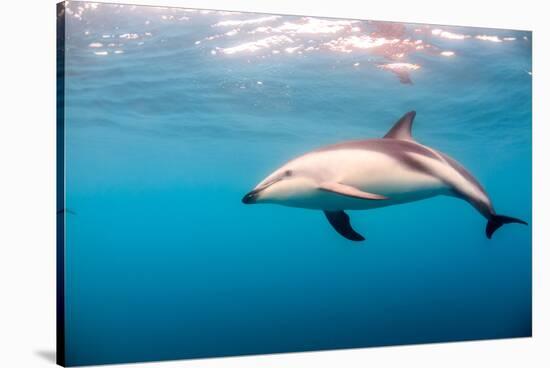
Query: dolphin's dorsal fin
402	129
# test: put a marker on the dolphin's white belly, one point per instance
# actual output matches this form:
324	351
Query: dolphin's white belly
369	171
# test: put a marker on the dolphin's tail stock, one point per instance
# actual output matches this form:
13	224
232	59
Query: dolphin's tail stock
496	221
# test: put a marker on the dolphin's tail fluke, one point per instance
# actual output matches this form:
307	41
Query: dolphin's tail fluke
496	221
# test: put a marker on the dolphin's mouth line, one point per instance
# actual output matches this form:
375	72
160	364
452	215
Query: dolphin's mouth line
251	196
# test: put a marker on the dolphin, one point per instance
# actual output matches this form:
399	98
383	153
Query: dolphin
373	173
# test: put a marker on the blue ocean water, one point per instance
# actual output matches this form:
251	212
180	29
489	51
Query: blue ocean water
172	115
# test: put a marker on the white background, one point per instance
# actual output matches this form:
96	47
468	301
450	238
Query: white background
27	182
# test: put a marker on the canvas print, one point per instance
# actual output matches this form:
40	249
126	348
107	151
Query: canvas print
233	183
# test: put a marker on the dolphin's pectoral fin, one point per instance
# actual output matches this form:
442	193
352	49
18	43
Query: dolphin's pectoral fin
349	191
340	222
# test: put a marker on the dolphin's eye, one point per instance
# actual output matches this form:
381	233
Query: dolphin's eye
288	173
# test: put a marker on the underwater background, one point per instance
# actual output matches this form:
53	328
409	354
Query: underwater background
172	115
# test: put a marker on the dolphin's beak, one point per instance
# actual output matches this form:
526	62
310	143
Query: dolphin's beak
250	197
